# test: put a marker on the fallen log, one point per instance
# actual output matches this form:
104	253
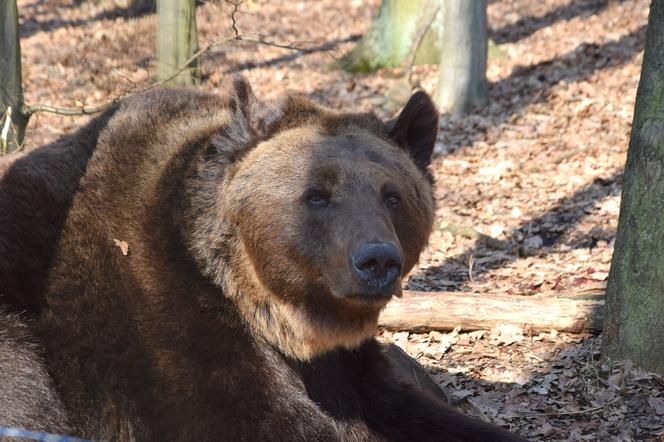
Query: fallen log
426	311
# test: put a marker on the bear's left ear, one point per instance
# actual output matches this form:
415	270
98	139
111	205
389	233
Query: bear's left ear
415	129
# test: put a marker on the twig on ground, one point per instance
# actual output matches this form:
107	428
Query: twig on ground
471	262
236	5
573	413
472	233
557	159
493	243
70	111
258	40
262	41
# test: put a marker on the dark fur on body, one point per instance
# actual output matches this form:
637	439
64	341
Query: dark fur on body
27	396
231	317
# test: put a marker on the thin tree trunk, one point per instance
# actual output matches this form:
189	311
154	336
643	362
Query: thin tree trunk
634	326
11	89
462	81
390	39
177	41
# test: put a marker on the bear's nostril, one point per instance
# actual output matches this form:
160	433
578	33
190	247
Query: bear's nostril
392	263
377	266
368	265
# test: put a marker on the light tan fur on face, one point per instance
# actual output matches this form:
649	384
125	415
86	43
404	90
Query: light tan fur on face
284	326
293	333
256	228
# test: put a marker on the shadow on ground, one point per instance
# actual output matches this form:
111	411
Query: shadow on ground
529	25
551	226
31	25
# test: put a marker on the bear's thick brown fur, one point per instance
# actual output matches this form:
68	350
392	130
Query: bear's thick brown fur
189	263
27	396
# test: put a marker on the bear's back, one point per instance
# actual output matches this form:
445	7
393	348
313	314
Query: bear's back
36	193
110	161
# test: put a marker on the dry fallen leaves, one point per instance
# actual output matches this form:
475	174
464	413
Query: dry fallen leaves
569	394
123	245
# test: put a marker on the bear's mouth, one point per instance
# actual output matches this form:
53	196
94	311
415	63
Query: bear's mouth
377	296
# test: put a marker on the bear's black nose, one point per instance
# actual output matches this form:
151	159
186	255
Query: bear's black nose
377	266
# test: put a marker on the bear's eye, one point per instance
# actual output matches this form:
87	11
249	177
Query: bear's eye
392	200
317	198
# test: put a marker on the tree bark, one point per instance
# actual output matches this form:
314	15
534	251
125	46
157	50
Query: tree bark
634	327
390	39
462	81
177	41
11	89
426	311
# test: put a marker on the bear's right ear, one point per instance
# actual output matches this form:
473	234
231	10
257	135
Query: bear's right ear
242	90
251	122
415	129
260	118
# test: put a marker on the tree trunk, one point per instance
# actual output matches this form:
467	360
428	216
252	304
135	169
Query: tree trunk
11	89
177	42
391	38
634	327
462	81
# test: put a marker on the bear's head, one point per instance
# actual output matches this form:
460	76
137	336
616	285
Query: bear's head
315	216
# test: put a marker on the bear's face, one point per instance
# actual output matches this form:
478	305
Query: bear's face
331	218
326	215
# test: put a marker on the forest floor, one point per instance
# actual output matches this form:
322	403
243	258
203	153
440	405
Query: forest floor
540	168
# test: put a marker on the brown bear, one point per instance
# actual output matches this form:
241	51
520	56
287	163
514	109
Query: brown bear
203	267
